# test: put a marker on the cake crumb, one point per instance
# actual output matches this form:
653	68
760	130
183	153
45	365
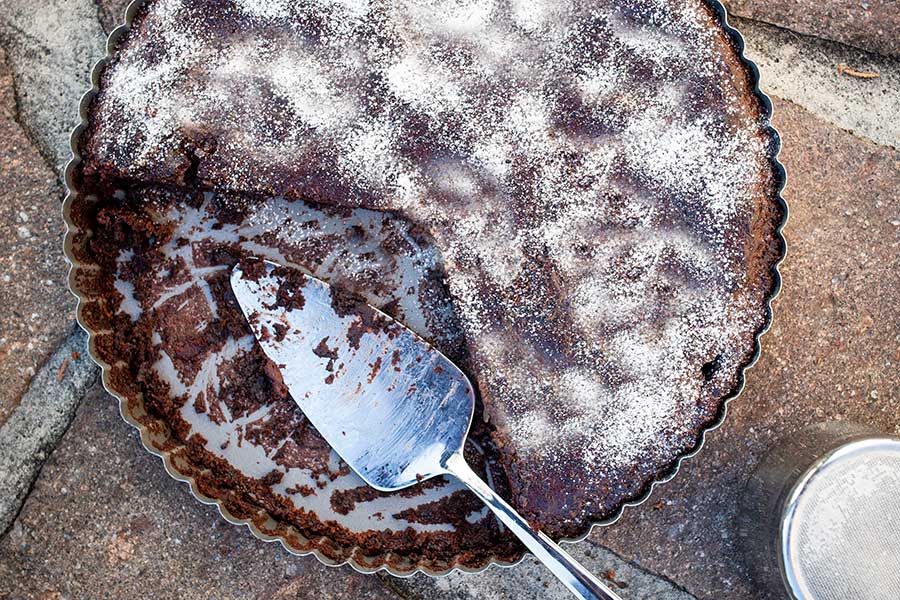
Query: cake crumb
610	575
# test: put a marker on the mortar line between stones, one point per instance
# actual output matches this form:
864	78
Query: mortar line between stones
40	467
17	117
808	36
98	14
26	35
50	445
635	565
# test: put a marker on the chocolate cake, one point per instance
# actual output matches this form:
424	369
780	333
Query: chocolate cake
576	201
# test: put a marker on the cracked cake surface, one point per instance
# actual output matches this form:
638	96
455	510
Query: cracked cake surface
592	192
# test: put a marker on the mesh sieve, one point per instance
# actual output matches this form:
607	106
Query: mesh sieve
841	534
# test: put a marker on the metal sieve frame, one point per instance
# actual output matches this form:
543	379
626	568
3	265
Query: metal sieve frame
793	581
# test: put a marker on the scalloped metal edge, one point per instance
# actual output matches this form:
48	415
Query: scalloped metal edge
779	173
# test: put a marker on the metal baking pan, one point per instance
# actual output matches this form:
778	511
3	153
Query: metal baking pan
94	316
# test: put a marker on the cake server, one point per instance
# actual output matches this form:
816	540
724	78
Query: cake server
394	408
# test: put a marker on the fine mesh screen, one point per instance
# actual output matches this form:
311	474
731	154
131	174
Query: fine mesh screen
844	540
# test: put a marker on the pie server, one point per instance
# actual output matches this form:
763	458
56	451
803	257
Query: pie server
394	408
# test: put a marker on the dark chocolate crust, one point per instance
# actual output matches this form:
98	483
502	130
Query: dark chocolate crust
744	243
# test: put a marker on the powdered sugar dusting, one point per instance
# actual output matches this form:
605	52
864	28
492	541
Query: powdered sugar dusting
589	174
266	10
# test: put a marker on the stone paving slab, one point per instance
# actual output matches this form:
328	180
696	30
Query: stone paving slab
35	307
833	353
872	25
531	581
51	49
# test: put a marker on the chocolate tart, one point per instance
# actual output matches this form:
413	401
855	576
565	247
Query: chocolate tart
578	202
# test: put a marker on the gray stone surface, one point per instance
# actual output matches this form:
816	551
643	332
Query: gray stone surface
804	70
868	24
112	13
51	48
33	430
